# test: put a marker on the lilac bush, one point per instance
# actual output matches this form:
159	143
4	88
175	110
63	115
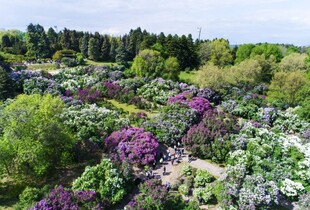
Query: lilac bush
66	199
201	105
211	137
172	123
133	144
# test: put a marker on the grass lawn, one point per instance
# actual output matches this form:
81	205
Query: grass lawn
44	66
188	77
95	63
130	108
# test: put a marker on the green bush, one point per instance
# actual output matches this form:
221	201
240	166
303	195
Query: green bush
202	178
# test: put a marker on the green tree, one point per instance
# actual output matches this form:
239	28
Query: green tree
34	136
53	40
148	63
286	87
216	52
244	52
268	50
248	71
171	69
84	45
214	77
105	49
37	42
293	62
6	86
121	54
113	49
93	49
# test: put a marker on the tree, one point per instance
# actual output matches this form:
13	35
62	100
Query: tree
84	45
213	77
293	62
121	54
35	137
243	52
248	71
171	69
93	49
53	40
6	85
113	49
148	63
268	50
5	41
37	42
286	87
105	49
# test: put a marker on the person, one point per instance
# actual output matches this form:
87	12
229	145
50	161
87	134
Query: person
200	200
161	160
154	164
165	157
147	175
164	170
151	174
190	158
169	156
172	160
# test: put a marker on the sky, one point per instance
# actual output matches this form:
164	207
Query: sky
239	21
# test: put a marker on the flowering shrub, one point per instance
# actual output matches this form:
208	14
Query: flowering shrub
172	123
267	115
202	177
289	122
61	198
92	122
211	137
201	105
291	189
204	192
41	85
256	192
158	91
103	179
132	144
304	201
89	95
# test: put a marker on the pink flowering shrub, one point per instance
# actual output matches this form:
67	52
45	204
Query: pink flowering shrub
132	144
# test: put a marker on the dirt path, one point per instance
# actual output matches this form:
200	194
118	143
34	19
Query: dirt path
174	171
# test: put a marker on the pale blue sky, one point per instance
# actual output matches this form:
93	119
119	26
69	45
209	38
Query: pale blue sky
240	21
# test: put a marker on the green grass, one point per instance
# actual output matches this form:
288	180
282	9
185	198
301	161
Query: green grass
43	66
95	63
188	77
130	108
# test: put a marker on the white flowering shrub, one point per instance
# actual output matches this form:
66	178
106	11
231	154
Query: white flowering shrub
291	189
92	122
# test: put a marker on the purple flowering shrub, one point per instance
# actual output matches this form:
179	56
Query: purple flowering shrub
61	198
201	105
210	138
133	144
89	95
172	123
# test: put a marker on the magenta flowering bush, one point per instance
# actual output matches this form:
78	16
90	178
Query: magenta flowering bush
200	104
133	144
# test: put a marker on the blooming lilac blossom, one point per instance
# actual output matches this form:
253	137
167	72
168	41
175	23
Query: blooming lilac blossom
133	144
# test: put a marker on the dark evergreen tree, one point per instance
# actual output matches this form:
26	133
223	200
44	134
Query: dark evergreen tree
105	49
37	42
74	41
65	40
84	44
5	41
113	49
5	84
121	54
93	49
53	40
